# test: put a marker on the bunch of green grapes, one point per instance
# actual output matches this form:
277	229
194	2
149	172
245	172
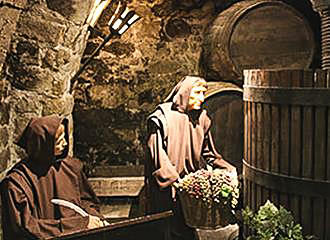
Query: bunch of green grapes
224	187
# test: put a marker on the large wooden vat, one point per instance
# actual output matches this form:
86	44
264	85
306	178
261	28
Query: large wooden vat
287	144
257	34
224	102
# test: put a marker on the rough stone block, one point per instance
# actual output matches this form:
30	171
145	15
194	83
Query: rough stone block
16	3
56	58
75	10
4	137
62	106
24	102
19	122
5	157
9	17
4	114
26	52
33	26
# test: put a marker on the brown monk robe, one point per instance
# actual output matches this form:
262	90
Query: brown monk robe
47	173
179	142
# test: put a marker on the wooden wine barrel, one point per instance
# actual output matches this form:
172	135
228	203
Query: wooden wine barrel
257	34
287	144
224	102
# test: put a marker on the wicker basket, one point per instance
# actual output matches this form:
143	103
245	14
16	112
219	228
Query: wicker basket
198	214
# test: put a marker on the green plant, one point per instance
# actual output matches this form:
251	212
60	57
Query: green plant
271	223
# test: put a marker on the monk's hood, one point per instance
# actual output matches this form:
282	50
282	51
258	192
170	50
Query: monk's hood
38	139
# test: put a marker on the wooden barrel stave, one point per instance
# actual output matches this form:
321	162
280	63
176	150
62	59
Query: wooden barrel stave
294	151
224	103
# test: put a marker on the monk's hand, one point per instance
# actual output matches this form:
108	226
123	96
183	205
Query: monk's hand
221	163
94	222
105	223
173	193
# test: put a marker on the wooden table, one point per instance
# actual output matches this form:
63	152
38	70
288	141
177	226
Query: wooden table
143	228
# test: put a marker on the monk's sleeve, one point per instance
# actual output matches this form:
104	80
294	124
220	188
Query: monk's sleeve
208	152
213	158
163	170
18	216
89	200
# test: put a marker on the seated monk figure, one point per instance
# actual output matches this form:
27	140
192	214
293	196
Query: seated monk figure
47	173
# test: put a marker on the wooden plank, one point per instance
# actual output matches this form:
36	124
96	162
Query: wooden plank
253	153
116	209
245	191
259	149
253	134
307	150
259	192
319	157
274	79
249	150
275	139
295	145
236	149
223	118
284	151
284	130
295	207
144	227
274	197
306	214
260	161
307	166
266	147
246	131
296	134
254	196
117	186
328	145
118	171
284	137
307	156
267	136
327	219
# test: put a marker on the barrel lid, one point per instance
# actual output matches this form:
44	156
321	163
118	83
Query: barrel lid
257	34
218	87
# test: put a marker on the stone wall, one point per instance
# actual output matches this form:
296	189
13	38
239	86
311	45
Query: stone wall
133	74
40	50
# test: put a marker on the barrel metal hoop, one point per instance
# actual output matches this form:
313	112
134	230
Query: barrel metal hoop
286	184
290	96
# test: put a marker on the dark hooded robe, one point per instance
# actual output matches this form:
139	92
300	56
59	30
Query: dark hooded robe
27	190
179	142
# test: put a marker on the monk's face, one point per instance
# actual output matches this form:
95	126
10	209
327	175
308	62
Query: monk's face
60	141
196	97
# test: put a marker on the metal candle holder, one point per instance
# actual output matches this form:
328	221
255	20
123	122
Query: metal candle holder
119	23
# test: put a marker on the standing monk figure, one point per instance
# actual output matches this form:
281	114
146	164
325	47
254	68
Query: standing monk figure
179	142
47	172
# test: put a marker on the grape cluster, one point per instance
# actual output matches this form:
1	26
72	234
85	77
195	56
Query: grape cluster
224	187
218	186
